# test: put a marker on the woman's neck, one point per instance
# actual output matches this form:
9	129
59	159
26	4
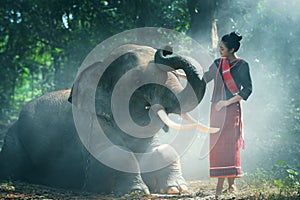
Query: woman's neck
232	57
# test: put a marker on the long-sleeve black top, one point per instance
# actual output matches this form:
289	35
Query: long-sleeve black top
240	73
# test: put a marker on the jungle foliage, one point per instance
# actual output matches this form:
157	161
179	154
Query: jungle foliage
43	43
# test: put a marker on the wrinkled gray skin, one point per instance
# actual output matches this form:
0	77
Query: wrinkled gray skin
43	146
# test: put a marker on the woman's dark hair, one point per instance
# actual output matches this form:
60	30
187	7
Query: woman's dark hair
232	40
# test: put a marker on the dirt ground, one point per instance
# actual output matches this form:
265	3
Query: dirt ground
197	190
20	190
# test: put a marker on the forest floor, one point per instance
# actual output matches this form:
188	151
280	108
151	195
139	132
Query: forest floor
197	190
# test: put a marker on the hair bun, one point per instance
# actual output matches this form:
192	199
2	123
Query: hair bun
236	36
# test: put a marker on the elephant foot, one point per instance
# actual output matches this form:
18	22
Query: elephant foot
133	192
175	190
175	183
130	184
167	180
139	192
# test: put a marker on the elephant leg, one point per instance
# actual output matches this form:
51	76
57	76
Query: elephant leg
166	176
175	182
14	161
128	176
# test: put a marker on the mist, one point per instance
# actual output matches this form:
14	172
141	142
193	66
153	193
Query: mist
270	45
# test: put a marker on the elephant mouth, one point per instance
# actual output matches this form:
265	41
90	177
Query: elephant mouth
191	123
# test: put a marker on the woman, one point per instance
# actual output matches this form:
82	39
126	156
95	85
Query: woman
232	83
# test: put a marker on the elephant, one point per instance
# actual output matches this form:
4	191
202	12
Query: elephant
44	147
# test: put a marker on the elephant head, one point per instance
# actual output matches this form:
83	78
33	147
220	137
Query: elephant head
137	89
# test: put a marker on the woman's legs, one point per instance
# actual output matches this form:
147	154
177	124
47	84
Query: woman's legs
231	186
220	186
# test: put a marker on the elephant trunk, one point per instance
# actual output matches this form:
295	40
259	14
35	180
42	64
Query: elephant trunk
194	91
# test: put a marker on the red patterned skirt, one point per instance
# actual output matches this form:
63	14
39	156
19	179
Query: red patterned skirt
225	145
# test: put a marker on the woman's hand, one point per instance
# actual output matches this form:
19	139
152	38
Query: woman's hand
221	104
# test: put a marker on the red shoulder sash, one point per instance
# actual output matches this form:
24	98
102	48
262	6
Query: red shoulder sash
228	80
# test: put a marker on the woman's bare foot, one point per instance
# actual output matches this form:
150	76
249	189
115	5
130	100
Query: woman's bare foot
232	189
219	191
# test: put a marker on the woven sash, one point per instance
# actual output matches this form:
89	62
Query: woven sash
228	80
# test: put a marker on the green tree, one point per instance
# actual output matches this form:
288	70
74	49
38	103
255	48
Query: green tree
43	43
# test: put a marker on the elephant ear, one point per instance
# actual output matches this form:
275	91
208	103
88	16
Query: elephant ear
96	82
83	89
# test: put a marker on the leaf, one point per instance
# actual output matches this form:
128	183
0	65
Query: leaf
278	183
281	162
291	171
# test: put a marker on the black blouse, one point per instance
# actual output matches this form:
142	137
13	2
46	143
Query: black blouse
240	73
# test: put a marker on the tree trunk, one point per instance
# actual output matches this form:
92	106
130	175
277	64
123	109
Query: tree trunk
202	16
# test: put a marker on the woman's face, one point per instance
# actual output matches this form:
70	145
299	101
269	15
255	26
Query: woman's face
224	51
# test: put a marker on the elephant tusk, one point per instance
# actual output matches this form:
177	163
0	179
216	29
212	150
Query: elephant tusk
164	117
188	118
193	124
